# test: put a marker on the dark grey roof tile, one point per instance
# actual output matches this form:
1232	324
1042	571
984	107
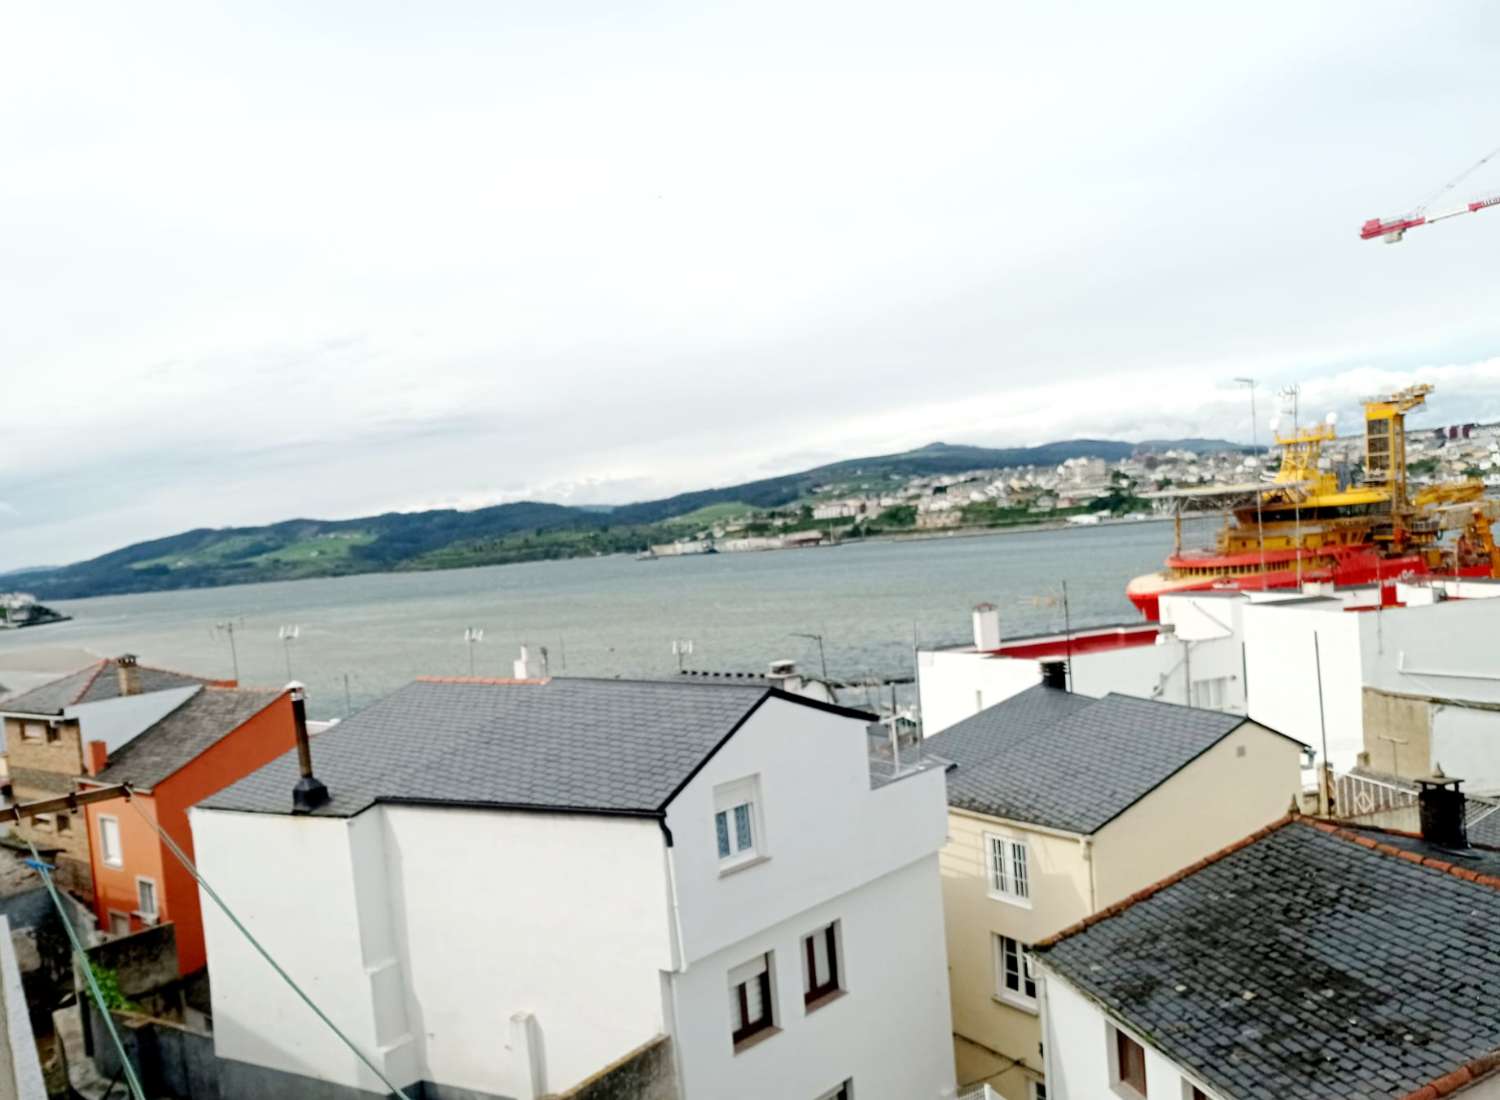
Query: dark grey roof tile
197	725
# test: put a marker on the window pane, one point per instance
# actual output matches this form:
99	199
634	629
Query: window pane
998	875
742	826
820	958
736	1020
755	1004
1018	870
721	823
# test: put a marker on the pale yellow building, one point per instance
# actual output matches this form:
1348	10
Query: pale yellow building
1061	805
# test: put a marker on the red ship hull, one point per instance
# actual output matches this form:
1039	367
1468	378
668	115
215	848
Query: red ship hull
1352	567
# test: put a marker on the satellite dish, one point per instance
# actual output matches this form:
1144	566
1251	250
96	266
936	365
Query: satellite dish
1275	423
1332	419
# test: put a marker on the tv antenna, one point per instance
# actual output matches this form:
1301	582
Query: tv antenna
473	635
288	635
682	648
225	629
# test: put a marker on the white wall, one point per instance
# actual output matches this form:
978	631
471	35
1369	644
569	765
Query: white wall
1450	650
433	927
825	831
955	684
1466	743
890	1032
1282	673
118	720
1078	1045
834	848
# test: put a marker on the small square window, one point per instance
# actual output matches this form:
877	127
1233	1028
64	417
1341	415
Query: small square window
1015	978
64	823
42	821
737	825
33	731
54	734
1129	1064
751	1000
821	964
1009	863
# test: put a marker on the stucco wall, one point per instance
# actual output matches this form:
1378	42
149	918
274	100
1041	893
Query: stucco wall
889	1032
434	927
1059	897
1219	798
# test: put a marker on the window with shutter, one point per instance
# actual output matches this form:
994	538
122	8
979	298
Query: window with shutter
820	964
751	1004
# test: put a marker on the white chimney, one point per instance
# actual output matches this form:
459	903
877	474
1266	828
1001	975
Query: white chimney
986	627
521	666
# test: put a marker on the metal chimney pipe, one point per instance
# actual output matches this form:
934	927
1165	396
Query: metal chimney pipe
310	792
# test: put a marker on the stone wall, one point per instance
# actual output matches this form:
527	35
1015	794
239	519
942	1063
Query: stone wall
44	769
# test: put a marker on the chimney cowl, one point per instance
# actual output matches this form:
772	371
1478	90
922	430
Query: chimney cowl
1055	674
127	674
1443	811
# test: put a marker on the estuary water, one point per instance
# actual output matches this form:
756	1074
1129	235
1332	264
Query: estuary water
362	637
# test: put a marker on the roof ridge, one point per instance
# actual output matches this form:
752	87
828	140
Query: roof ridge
99	667
1157	887
538	681
1343	832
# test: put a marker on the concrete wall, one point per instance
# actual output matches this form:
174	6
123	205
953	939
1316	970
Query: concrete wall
889	1032
1246	781
1466	742
1397	732
423	956
20	1065
1060	896
1447	650
142	961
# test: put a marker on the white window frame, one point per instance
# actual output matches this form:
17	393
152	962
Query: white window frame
729	799
1026	971
153	915
1000	868
104	857
835	930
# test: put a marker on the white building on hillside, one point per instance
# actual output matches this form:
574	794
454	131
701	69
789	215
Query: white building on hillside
519	887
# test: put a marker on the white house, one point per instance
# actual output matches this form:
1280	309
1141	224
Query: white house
519	887
1309	961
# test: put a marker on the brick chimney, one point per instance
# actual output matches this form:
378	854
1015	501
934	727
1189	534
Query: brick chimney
1444	814
95	757
128	674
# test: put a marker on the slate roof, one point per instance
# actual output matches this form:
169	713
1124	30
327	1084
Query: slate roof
198	724
1049	757
1308	961
601	746
92	684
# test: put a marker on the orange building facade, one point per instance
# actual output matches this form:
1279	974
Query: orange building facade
171	767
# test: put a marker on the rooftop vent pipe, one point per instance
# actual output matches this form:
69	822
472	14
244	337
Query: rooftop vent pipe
309	793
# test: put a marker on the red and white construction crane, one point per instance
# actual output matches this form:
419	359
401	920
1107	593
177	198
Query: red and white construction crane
1393	229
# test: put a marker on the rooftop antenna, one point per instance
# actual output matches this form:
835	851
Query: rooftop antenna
473	635
822	657
682	648
226	629
1292	393
288	635
1260	530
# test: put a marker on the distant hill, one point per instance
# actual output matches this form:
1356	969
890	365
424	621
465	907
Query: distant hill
523	531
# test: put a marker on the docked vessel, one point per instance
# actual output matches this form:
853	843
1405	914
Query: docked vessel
18	609
1306	525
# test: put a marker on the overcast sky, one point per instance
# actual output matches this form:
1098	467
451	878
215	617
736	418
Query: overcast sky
269	260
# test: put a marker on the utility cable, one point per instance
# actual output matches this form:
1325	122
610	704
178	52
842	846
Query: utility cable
41	867
1456	180
209	890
